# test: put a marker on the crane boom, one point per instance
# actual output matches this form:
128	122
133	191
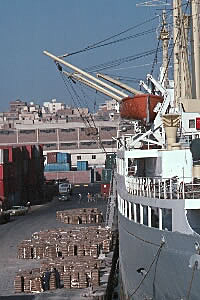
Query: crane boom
61	61
93	85
118	83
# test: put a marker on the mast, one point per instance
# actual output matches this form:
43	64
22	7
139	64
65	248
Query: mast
164	36
186	87
195	48
176	37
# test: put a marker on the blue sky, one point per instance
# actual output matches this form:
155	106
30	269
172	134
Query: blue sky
27	27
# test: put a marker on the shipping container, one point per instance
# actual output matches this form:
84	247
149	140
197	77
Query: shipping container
82	165
51	157
63	158
105	189
106	175
57	167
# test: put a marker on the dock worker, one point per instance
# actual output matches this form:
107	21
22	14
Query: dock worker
89	197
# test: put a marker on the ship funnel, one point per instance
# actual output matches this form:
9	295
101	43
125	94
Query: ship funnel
171	124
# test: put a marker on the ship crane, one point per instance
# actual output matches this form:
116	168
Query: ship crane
117	95
118	83
139	107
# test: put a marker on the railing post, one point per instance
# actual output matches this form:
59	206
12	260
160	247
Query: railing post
183	190
170	188
135	212
159	188
165	192
149	216
154	188
160	218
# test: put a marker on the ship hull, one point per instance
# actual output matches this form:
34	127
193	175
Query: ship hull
170	276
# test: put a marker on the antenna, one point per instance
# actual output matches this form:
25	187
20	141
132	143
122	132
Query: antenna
154	3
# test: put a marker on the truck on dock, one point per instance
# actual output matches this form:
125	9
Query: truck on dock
65	191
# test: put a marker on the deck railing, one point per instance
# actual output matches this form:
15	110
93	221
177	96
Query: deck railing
164	188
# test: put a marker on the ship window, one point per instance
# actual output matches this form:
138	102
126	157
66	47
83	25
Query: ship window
93	156
167	219
154	217
192	123
127	209
132	211
145	216
78	157
137	213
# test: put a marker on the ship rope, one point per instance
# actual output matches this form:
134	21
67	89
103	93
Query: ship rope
191	281
156	257
139	238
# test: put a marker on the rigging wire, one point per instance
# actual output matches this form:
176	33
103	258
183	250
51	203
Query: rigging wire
86	120
107	39
120	61
93	122
95	45
116	41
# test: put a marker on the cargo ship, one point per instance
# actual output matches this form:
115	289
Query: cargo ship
158	170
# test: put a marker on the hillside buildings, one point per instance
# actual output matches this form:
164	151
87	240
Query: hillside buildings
61	128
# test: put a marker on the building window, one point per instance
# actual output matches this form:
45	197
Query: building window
93	156
108	128
192	123
27	131
68	130
108	142
50	145
68	145
88	143
167	219
78	157
6	132
47	130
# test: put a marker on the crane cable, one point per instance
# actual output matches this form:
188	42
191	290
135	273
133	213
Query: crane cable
85	120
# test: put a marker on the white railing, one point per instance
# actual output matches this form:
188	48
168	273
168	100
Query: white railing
164	188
